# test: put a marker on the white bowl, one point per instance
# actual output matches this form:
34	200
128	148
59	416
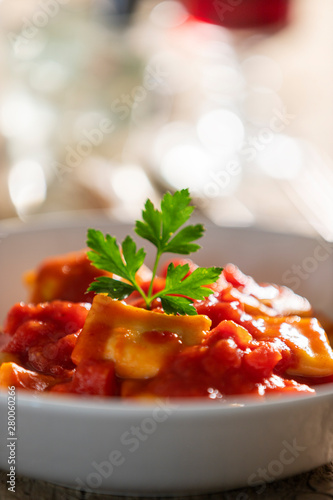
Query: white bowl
167	448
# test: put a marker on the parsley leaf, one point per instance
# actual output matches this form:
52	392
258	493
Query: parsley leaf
163	228
191	287
160	226
194	285
107	255
181	305
125	262
113	288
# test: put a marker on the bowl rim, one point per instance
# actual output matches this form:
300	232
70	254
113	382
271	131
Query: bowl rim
79	218
229	405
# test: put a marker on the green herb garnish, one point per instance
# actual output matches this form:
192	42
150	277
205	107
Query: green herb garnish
160	228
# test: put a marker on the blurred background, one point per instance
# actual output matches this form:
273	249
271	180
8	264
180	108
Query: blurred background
104	103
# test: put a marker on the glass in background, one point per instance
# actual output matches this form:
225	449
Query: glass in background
246	130
71	76
100	111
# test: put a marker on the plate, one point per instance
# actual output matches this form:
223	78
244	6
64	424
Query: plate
169	448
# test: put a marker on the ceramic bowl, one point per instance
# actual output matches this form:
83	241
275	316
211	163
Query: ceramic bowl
169	448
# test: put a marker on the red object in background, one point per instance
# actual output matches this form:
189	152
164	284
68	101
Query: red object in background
240	13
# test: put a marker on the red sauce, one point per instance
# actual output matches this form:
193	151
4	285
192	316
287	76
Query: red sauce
43	336
222	365
158	337
246	351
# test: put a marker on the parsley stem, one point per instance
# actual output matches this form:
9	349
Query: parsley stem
142	293
150	290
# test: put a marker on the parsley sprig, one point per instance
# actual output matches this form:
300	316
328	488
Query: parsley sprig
163	228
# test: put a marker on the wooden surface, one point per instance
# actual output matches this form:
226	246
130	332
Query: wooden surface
314	485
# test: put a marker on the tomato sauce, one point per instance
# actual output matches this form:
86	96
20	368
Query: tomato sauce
43	336
248	338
